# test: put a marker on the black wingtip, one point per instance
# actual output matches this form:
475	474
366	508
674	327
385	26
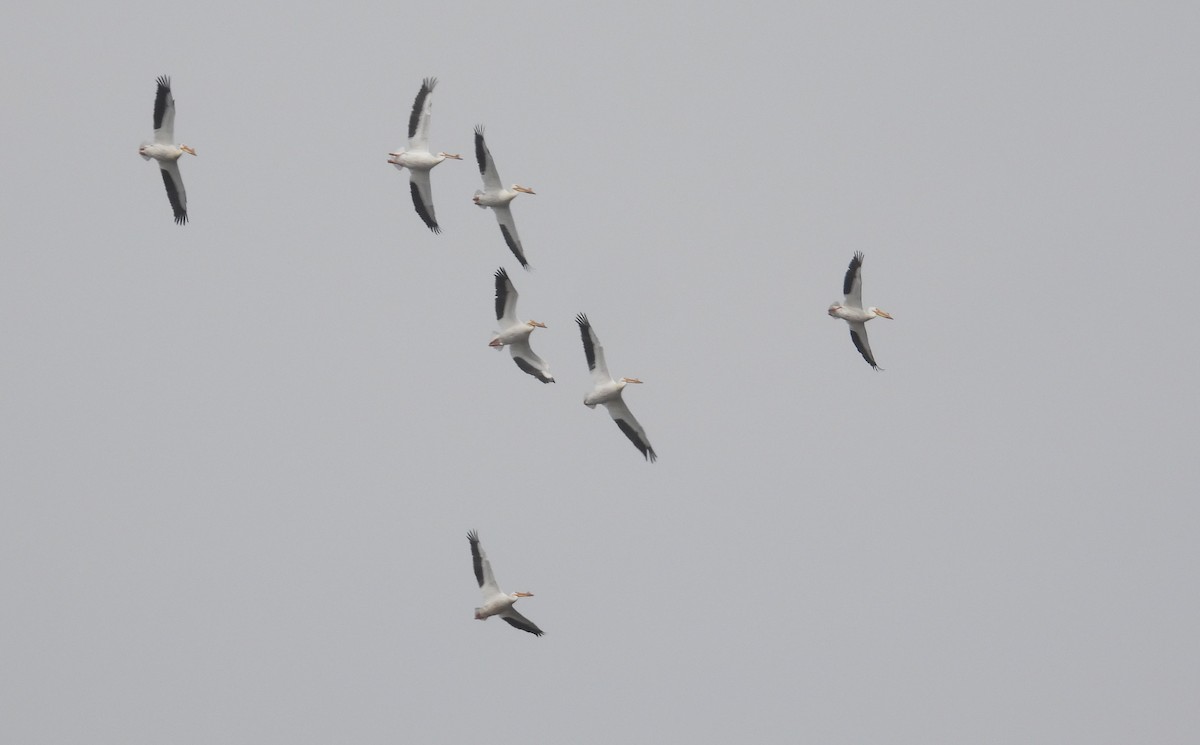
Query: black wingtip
164	81
429	83
582	320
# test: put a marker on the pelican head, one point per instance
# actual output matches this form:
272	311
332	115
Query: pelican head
537	324
630	380
522	594
880	313
523	189
452	156
187	149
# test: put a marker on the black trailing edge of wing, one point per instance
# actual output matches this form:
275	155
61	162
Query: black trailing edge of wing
414	119
480	149
647	451
160	99
419	204
852	272
473	537
514	247
585	332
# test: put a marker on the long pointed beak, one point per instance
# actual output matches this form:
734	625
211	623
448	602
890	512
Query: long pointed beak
456	157
525	189
883	314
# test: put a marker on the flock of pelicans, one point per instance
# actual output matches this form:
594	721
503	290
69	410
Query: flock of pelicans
513	332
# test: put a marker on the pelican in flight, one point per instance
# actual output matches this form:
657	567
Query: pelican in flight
495	602
497	197
165	151
417	158
514	333
608	391
851	311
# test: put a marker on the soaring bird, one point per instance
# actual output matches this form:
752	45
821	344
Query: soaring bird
165	151
417	158
608	391
514	333
497	197
851	311
495	602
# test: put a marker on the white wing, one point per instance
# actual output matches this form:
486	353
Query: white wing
487	167
422	196
175	193
593	351
858	334
483	568
506	300
508	228
529	362
624	419
517	621
164	113
418	121
852	284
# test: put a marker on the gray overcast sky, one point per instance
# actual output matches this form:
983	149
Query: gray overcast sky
240	457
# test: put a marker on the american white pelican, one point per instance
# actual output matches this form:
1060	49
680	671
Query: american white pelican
851	311
495	602
165	151
608	391
417	158
514	333
497	197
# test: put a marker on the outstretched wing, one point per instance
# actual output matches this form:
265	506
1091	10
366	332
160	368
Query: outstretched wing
483	568
625	421
164	113
858	334
175	193
506	300
487	167
592	350
517	621
529	362
852	285
422	196
508	228
418	121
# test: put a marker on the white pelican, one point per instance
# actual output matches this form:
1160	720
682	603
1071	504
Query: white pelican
497	197
608	391
417	158
165	151
515	333
851	311
495	602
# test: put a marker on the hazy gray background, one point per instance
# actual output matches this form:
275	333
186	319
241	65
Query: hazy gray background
240	457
